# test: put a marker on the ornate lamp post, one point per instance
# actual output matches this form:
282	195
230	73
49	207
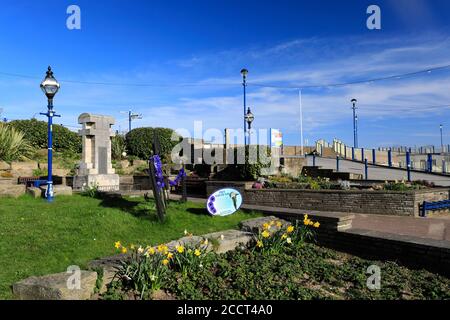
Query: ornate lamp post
244	73
249	117
50	87
355	124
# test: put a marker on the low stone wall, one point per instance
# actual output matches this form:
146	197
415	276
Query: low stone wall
354	201
399	203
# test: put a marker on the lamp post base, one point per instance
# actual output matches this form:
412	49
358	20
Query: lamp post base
49	192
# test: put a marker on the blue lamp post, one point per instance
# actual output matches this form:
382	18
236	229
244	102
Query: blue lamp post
244	73
355	124
50	87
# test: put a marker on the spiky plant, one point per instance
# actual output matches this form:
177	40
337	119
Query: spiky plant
13	146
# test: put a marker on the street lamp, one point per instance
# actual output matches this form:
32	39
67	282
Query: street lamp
244	73
355	124
50	87
249	117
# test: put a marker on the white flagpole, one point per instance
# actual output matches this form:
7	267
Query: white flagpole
301	121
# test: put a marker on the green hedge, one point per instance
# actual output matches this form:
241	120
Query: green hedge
35	132
139	141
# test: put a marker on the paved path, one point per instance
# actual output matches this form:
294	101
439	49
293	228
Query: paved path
377	172
428	228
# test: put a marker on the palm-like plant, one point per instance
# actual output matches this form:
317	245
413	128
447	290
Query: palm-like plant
13	146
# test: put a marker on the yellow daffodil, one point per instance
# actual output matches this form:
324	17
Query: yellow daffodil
124	250
117	244
169	255
197	252
289	240
266	226
272	222
305	217
306	222
311	223
265	234
316	225
259	244
151	251
279	224
180	249
290	229
132	246
140	250
284	236
165	262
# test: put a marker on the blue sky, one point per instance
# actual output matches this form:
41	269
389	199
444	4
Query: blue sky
205	44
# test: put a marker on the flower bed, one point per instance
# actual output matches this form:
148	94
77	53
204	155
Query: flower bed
279	263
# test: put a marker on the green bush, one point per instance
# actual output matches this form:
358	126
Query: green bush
118	147
13	146
35	132
139	142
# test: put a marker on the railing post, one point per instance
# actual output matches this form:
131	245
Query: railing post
374	159
353	153
443	166
408	165
337	163
390	158
314	160
362	155
345	152
366	169
430	163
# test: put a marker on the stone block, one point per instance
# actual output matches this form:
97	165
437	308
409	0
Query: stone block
229	240
35	192
4	165
55	287
256	225
58	190
14	190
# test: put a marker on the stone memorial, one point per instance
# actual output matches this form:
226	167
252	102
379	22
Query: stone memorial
95	168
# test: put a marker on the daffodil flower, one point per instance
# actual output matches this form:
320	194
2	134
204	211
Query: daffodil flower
117	244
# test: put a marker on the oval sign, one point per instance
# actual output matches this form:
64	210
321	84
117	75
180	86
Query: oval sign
224	202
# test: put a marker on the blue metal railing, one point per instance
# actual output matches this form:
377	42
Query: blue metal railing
433	206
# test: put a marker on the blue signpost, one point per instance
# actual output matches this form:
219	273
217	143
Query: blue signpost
50	87
337	163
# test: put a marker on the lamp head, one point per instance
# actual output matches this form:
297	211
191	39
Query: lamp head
244	72
249	117
354	100
49	85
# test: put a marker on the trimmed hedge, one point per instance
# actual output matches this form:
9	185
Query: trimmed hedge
35	132
139	141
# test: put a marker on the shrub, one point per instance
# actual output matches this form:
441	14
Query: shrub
139	142
35	132
13	146
118	147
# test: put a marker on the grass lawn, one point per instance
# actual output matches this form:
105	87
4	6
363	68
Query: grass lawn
38	238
